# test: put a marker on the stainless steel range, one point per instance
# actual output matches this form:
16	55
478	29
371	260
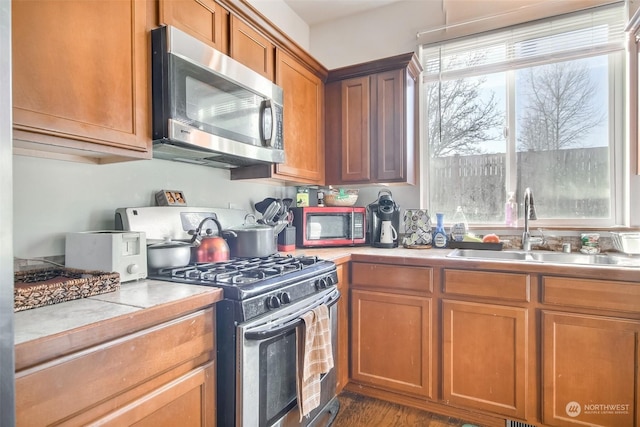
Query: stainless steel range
264	299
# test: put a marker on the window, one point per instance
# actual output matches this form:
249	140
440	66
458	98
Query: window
538	105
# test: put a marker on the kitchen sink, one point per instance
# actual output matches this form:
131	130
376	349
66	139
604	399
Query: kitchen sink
546	257
487	254
572	258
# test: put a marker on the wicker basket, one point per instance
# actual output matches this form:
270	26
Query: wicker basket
46	286
347	198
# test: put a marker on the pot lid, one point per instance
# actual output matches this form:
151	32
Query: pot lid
168	244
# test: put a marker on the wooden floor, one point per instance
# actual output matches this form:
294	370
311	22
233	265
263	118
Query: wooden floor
361	411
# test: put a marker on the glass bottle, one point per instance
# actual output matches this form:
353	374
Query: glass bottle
511	211
439	235
460	226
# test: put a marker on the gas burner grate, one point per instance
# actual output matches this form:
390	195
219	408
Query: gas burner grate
241	271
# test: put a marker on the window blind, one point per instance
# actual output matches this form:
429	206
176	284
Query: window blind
588	33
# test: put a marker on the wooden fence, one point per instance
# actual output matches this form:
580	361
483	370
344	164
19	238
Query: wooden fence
571	183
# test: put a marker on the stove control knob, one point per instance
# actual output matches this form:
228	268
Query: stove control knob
285	298
330	281
321	284
273	302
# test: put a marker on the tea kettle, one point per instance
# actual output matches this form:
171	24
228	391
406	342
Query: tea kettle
206	246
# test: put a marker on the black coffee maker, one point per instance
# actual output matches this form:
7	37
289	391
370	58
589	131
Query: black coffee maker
383	221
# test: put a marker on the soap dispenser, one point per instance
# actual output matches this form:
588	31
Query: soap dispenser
439	235
460	226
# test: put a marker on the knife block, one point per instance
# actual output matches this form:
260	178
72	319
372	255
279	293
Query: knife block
287	239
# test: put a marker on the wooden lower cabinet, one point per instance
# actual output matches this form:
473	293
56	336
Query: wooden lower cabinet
161	375
492	345
391	342
485	357
187	402
342	362
590	368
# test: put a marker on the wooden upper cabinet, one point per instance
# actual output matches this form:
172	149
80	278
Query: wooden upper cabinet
356	129
303	93
390	153
251	48
81	79
370	123
203	19
303	119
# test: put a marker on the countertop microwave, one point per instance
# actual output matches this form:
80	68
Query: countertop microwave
329	226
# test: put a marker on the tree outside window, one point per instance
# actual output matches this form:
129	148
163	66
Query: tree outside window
559	142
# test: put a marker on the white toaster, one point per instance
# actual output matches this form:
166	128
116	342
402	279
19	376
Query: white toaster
124	252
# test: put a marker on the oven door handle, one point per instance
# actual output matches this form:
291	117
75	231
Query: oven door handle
270	333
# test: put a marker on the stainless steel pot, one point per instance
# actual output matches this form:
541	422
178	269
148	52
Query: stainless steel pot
251	240
168	254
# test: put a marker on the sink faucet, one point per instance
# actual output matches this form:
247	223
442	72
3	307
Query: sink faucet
529	214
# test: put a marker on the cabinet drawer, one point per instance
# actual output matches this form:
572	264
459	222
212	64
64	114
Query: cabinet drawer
392	277
589	293
65	386
489	284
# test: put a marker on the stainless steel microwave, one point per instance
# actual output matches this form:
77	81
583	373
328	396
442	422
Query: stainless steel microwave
329	226
210	109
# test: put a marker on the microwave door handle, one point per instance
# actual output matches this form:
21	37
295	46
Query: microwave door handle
267	104
353	226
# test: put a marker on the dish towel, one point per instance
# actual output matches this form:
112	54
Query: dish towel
315	357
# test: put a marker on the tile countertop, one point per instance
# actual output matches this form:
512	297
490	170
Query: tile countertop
132	297
626	271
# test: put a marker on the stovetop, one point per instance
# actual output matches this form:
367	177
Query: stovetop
244	278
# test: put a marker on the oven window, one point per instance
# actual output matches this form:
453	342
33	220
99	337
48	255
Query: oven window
277	377
325	226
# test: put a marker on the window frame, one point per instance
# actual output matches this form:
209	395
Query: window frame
618	140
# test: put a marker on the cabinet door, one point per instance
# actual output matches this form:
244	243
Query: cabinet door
204	19
81	75
590	370
342	365
188	401
356	130
90	382
251	48
388	150
485	357
303	121
391	342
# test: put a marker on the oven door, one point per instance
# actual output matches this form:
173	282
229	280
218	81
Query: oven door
266	374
